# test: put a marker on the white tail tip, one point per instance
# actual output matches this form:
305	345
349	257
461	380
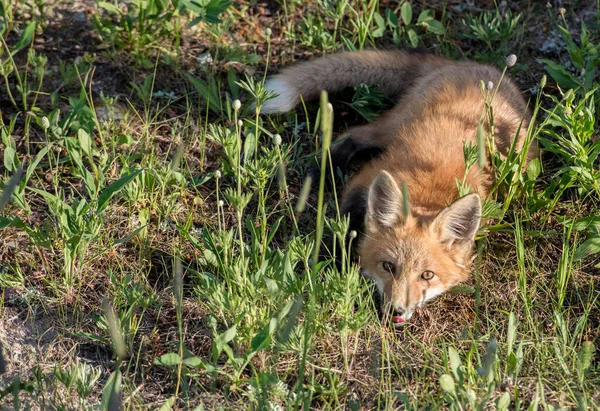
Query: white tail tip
286	96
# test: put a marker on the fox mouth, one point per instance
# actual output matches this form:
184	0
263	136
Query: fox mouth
394	317
398	319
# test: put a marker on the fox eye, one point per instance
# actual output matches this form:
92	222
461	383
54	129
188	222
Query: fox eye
427	275
389	267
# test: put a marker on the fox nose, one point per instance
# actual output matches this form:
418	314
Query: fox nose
398	316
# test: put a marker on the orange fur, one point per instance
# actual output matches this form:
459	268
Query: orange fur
422	140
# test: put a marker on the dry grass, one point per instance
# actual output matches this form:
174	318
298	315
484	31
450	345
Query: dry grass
51	313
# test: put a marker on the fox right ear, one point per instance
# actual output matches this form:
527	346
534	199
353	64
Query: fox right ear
384	201
460	220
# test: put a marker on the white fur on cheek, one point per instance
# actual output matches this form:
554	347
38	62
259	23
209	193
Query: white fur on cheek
286	99
432	293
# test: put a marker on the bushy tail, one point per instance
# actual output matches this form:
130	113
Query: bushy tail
393	71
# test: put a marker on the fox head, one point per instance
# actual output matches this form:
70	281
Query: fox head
413	260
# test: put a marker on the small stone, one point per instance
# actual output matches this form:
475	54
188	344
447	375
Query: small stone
79	17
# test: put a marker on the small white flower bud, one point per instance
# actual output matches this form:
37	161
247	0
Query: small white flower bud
221	203
353	234
489	85
240	123
236	104
268	32
277	139
511	60
562	11
45	123
218	174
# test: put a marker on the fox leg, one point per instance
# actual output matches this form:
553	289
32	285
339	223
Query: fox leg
364	142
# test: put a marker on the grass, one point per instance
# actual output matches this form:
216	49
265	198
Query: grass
158	235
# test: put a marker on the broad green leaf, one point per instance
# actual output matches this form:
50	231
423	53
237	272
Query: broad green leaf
392	19
110	7
413	37
114	188
587	248
503	402
215	7
10	187
455	363
263	338
511	362
85	141
534	169
407	13
33	165
224	338
250	145
168	405
560	75
447	384
111	394
12	222
193	362
425	15
52	199
25	38
380	30
208	93
232	82
291	319
10	159
583	224
170	360
489	358
434	26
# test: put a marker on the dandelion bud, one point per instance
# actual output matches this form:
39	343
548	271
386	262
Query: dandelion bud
489	86
511	60
236	104
218	174
543	81
268	32
353	234
45	123
277	139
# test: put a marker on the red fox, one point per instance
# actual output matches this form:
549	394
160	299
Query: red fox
413	255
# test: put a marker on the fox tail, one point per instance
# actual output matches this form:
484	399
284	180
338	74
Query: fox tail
393	71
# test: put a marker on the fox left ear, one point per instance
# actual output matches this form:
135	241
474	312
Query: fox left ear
384	202
460	220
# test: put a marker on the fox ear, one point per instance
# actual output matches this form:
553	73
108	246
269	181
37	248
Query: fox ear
384	201
460	220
